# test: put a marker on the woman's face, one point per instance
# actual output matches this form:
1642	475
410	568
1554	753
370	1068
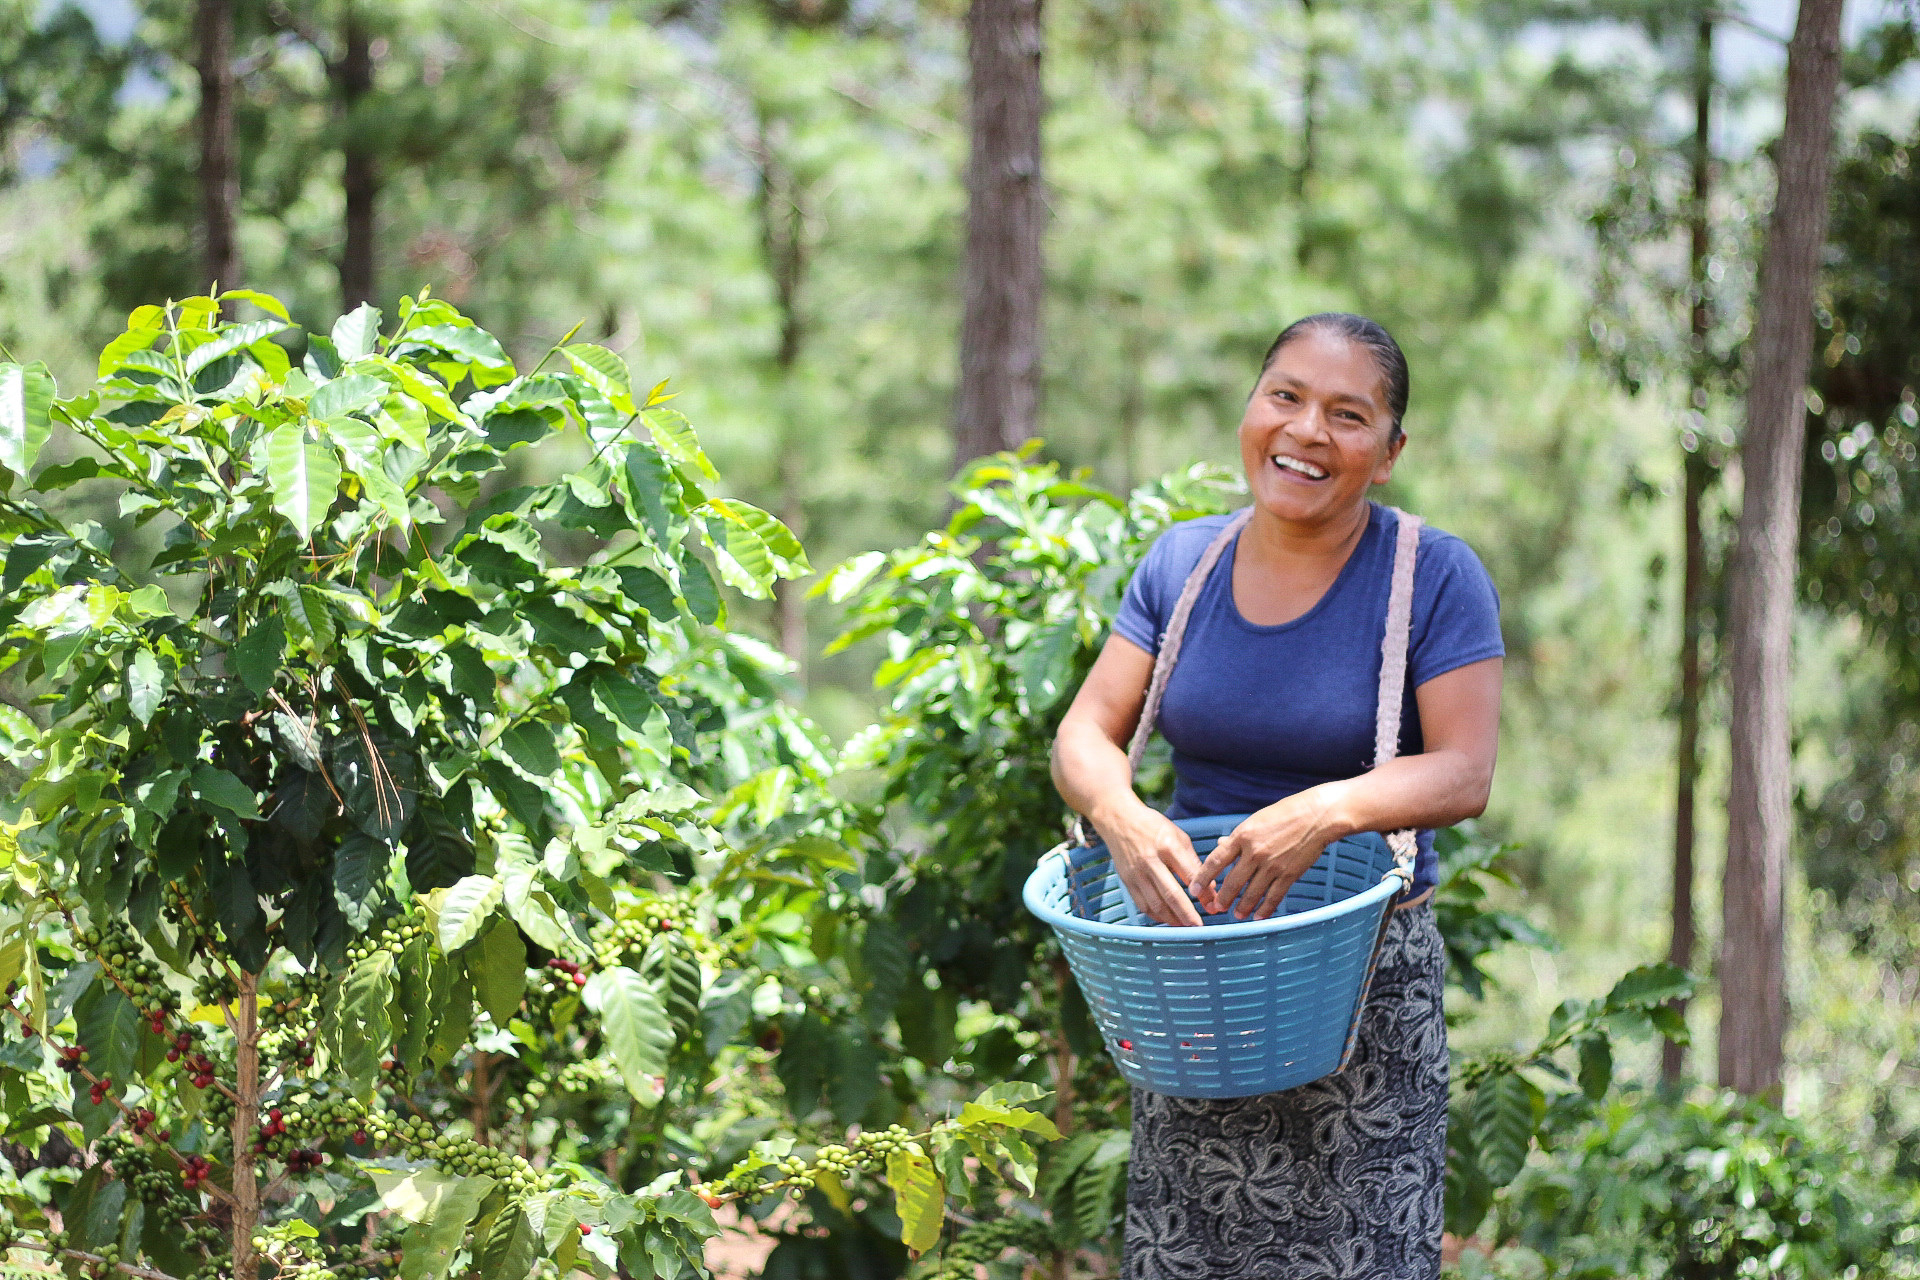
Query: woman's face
1315	435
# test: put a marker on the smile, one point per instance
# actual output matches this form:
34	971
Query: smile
1299	466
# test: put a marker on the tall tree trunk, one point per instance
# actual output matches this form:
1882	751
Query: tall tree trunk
1693	588
1309	142
781	204
998	401
359	176
1753	1011
219	175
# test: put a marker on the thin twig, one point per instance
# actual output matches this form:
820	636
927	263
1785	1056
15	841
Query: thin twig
145	1273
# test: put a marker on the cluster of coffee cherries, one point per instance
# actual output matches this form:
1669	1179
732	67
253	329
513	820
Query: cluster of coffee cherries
195	1171
215	987
72	1057
179	909
568	971
581	1077
868	1153
217	1112
314	1262
220	1268
392	938
624	941
149	1173
124	959
199	1068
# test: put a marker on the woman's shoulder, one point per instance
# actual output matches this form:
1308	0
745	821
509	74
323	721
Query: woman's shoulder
1443	550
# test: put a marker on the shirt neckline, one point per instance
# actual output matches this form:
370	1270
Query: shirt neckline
1375	521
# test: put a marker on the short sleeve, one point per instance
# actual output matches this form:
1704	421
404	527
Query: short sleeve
1147	604
1456	611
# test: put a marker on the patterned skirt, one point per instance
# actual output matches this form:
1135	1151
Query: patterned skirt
1341	1179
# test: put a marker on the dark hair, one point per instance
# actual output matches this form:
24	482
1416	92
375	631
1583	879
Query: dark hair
1386	353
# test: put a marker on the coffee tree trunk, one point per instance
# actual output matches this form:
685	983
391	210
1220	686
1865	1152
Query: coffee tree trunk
997	403
219	175
359	173
1760	618
1693	587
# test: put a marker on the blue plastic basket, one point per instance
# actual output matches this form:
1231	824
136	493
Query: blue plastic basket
1232	1008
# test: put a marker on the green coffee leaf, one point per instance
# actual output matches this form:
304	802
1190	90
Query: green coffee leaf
500	971
355	393
465	908
218	787
1503	1118
636	1027
355	333
918	1197
231	339
510	1247
146	686
604	371
304	474
26	414
256	657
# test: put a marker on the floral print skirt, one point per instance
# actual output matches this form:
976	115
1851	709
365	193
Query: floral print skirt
1336	1180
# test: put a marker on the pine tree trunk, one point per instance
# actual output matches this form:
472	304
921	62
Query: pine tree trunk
219	174
1760	618
359	174
781	204
998	400
1693	588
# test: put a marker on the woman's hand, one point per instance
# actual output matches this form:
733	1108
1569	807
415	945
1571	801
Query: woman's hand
1266	854
1154	859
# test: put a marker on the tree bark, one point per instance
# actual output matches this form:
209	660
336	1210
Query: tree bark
219	175
782	205
1693	588
359	172
1760	617
998	400
1309	142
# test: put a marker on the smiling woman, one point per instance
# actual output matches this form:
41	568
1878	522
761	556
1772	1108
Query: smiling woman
1271	711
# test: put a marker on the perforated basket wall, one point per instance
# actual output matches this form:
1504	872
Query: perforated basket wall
1232	1008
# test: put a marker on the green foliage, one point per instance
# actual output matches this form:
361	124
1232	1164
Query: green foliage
1499	1108
1702	1189
370	843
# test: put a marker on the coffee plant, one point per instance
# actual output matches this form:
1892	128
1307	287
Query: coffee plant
408	874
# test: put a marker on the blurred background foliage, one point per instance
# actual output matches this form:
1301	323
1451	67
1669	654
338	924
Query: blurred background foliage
763	199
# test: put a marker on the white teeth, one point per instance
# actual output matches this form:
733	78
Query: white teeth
1306	469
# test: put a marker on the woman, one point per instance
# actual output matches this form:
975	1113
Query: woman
1271	711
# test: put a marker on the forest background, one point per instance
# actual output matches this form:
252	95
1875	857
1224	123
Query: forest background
764	200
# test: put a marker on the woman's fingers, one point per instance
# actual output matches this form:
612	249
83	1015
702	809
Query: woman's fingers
1201	885
1174	907
1276	893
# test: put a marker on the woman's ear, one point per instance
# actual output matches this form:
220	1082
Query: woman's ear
1384	472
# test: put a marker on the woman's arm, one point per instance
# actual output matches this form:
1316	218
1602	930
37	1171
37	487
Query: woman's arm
1153	857
1444	784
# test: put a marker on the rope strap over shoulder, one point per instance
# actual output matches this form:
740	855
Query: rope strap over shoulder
1393	670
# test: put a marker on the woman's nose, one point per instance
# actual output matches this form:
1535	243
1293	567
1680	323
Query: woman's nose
1310	424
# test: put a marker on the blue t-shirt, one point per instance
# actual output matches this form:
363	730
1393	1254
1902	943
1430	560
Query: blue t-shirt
1256	713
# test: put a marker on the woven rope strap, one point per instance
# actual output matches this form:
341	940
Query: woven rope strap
1176	632
1386	739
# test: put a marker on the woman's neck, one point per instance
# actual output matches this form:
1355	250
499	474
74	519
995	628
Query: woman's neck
1270	540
